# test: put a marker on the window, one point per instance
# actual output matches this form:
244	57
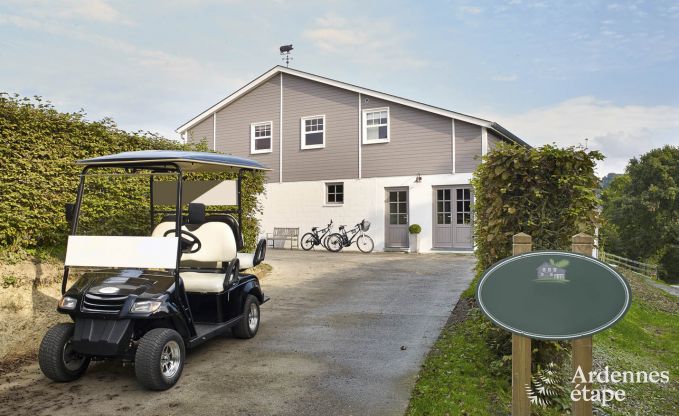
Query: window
334	193
313	132
376	125
260	137
398	207
464	215
443	207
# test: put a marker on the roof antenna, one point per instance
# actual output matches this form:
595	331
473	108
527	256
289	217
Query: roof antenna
286	50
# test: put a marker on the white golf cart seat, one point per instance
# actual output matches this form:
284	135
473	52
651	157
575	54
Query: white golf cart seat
246	260
218	247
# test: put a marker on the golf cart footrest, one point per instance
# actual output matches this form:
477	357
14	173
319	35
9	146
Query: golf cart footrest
102	337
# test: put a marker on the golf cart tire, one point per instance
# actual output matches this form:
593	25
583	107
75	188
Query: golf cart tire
51	354
147	359
242	329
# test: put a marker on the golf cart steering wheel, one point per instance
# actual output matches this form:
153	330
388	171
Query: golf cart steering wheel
186	243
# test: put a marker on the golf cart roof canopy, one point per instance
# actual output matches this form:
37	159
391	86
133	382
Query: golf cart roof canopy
187	161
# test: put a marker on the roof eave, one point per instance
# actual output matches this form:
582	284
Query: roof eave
508	134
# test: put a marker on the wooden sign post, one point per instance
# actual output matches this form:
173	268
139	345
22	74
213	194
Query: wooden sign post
529	294
521	346
582	347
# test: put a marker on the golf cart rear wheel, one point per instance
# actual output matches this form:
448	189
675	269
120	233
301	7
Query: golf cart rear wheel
308	241
248	326
159	360
57	359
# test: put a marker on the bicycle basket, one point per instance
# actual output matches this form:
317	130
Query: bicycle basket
365	225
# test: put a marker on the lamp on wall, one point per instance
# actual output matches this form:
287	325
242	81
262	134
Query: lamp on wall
418	178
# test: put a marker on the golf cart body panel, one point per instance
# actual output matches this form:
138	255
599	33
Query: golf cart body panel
184	276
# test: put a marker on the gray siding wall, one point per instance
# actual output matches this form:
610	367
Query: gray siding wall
339	158
467	146
493	141
233	124
203	131
420	142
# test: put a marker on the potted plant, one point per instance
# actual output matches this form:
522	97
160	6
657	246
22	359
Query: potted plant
414	230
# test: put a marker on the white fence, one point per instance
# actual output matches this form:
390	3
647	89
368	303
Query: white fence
644	269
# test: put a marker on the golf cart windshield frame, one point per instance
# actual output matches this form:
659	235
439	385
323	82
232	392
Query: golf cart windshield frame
163	167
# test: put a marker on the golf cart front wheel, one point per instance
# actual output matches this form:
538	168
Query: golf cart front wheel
308	241
159	360
57	359
248	326
365	243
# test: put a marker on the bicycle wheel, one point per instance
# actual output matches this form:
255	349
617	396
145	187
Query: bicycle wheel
308	241
324	241
365	243
334	243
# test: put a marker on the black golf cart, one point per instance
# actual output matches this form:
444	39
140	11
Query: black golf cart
150	285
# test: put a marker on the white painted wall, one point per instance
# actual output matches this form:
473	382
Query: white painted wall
302	204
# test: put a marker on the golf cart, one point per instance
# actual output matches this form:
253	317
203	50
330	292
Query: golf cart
153	283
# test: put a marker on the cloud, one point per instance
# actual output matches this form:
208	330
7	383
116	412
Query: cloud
471	10
87	10
505	78
372	42
620	132
156	61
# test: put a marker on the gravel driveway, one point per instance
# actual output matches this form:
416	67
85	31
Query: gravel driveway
343	334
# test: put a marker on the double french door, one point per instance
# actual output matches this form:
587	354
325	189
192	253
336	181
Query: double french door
453	219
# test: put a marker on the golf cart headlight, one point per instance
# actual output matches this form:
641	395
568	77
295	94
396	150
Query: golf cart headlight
146	306
68	303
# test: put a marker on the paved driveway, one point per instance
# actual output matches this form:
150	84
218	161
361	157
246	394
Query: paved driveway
342	335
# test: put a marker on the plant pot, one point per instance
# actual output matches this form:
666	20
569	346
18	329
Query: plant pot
414	243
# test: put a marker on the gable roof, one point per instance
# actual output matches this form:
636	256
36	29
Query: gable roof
495	127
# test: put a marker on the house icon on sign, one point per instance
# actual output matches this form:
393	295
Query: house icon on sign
549	272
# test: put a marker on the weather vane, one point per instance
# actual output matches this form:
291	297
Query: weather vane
285	54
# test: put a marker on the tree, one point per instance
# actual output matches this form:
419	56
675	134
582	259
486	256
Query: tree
641	210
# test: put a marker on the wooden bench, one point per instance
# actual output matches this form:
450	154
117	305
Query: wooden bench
284	234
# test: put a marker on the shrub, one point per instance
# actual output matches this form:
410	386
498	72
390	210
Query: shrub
548	193
38	148
415	229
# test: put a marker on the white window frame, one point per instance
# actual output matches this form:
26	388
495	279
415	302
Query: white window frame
252	137
327	193
302	130
365	125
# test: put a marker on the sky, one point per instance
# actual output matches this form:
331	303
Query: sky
599	73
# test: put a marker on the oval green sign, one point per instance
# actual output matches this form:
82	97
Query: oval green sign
553	295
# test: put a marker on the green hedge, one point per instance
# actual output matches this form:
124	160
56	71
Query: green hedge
38	148
548	193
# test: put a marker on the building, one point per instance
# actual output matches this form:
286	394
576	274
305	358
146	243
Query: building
342	152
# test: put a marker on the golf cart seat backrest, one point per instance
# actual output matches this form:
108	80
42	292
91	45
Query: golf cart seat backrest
197	216
217	239
231	222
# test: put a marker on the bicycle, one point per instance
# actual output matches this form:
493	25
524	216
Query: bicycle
316	238
345	238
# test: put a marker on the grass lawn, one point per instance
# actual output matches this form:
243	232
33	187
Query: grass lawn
460	377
